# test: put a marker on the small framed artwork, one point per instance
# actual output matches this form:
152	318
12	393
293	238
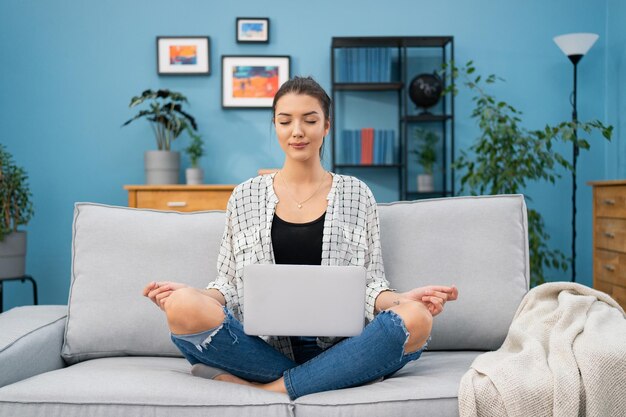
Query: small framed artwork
252	81
183	55
253	29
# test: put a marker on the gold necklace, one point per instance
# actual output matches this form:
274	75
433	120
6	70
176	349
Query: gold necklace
292	196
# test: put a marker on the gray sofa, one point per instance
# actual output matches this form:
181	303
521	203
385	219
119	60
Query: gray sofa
108	352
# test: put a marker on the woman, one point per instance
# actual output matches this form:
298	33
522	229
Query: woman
301	215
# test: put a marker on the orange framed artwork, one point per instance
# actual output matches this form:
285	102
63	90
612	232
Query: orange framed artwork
252	81
183	55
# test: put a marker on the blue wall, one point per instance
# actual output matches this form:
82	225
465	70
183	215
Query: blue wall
68	69
615	153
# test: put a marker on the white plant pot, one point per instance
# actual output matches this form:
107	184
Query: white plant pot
425	183
13	255
162	167
194	175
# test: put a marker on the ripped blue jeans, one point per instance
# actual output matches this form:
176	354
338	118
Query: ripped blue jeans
377	352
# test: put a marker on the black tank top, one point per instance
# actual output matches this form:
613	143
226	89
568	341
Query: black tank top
298	243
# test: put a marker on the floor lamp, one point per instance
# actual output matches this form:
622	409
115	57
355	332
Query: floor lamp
575	46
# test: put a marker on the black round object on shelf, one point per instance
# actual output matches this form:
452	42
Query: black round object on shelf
425	90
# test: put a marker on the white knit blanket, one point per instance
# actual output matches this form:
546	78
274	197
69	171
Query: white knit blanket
565	355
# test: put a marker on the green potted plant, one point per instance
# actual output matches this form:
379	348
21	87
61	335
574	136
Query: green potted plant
168	120
195	151
426	155
506	157
16	209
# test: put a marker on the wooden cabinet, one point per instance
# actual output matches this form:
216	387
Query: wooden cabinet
609	238
179	197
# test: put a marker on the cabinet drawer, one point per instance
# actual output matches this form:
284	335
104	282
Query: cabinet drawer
183	200
611	201
610	234
610	267
603	286
617	292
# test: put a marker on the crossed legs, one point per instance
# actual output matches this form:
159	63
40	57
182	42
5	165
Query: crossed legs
190	311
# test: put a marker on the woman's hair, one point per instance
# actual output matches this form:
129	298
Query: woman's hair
307	86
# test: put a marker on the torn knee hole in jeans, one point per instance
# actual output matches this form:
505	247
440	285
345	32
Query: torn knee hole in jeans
397	320
207	342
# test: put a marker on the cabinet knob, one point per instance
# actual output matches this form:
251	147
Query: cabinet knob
176	203
609	267
609	235
608	202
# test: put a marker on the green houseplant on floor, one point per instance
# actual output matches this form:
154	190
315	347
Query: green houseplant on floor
506	157
16	209
168	120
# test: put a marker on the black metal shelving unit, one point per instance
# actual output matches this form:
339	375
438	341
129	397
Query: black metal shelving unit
401	78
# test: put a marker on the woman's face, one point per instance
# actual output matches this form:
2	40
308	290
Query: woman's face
300	126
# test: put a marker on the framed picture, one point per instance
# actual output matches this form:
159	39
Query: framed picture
183	55
252	81
253	29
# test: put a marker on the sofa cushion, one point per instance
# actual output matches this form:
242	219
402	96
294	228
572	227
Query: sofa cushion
116	251
426	387
30	341
135	386
163	386
478	243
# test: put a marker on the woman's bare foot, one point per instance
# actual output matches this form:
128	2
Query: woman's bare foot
234	379
275	386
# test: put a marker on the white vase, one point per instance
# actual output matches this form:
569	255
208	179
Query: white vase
425	183
194	175
162	167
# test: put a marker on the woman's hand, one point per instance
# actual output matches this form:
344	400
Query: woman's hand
433	296
159	291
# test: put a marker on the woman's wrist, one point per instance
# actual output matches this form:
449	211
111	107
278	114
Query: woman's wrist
387	299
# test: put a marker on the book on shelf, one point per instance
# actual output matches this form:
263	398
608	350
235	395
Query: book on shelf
368	146
367	142
364	65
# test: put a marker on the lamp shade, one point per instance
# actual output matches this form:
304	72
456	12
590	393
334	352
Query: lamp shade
576	45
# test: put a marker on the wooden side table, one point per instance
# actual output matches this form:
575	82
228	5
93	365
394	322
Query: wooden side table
179	197
609	238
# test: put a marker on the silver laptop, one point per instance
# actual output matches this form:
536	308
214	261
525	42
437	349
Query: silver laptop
303	300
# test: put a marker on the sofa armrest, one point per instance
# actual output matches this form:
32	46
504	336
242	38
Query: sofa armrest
30	341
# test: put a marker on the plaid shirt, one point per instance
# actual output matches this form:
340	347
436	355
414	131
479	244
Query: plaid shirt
351	237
